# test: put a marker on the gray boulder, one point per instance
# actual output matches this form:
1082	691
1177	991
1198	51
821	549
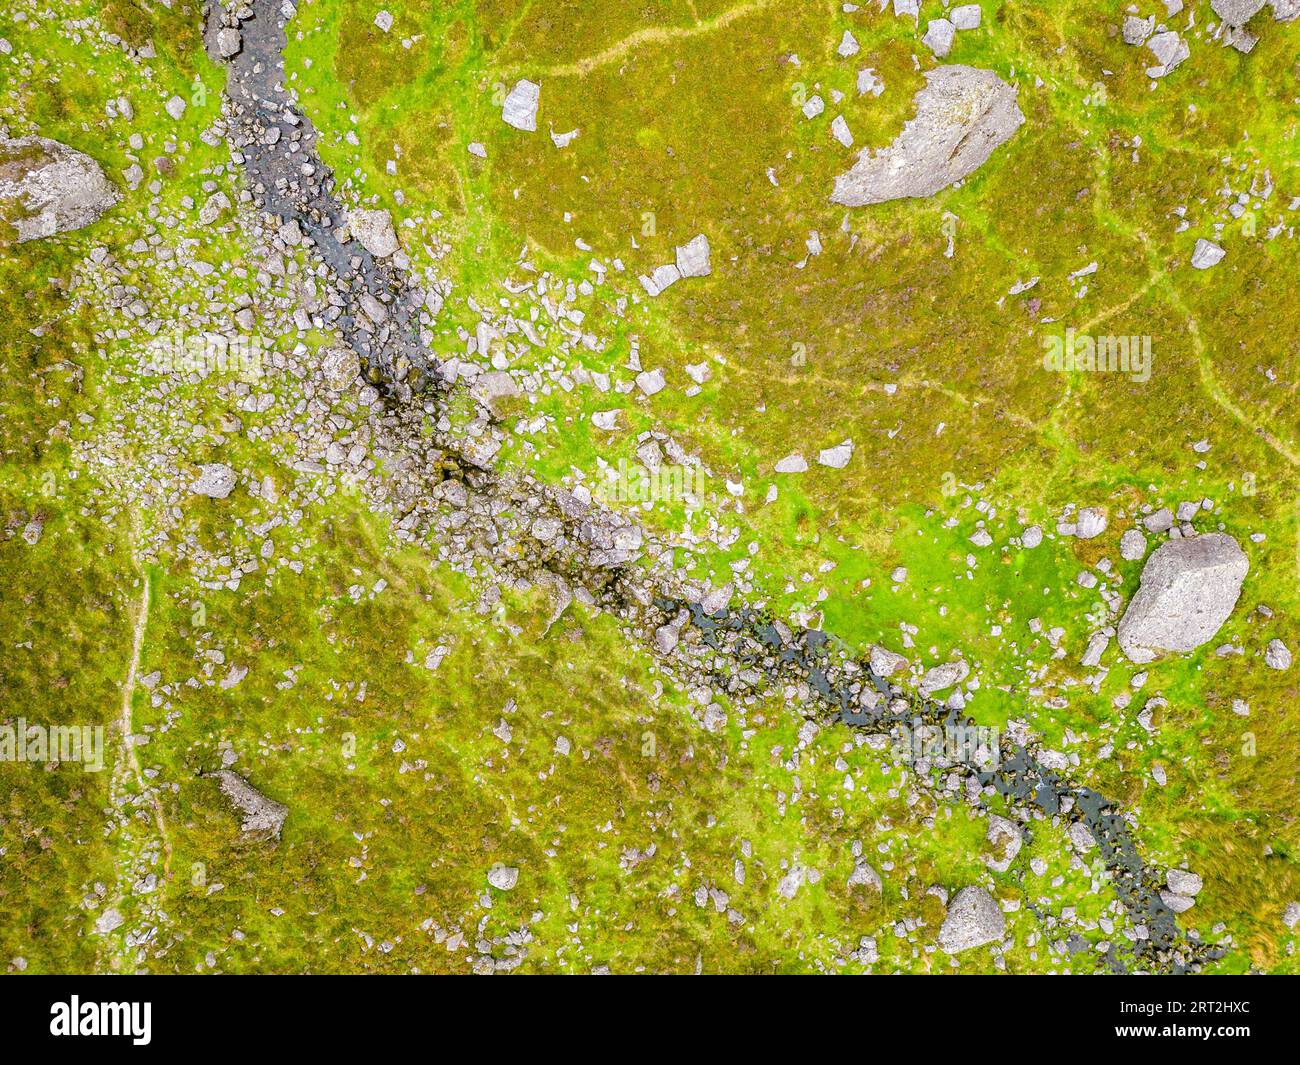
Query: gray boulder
974	920
963	114
375	231
1188	589
48	188
1237	12
261	815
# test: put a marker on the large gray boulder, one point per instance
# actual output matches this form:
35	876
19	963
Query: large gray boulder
48	188
1189	587
963	114
974	920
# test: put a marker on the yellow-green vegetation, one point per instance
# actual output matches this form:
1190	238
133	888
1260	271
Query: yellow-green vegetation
421	734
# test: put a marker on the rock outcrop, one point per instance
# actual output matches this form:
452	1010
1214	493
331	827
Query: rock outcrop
48	188
963	115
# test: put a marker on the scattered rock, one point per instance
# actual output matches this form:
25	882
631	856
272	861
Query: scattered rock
944	676
836	457
1170	50
966	17
1188	589
503	877
939	35
885	663
1006	839
1091	523
1183	882
229	42
1237	12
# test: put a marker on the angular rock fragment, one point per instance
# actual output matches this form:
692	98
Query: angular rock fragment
48	188
520	107
229	43
1206	254
939	35
693	257
1277	655
216	481
1006	839
1188	589
374	229
1169	49
966	17
963	114
1237	12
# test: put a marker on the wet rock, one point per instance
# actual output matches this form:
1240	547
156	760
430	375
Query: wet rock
963	114
261	815
216	481
974	920
1188	589
48	188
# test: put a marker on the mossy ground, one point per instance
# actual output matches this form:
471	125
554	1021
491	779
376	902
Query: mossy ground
925	361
